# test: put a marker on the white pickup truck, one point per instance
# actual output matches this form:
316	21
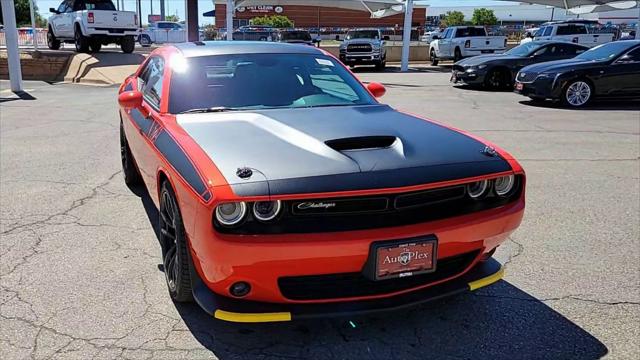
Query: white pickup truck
459	42
90	24
163	32
571	31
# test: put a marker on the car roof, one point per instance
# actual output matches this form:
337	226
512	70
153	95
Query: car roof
208	48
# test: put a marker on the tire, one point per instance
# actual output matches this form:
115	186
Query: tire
433	58
127	44
536	100
129	169
577	93
497	79
52	42
95	46
381	65
457	55
81	41
175	256
145	40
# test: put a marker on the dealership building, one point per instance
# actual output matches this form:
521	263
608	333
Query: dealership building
310	16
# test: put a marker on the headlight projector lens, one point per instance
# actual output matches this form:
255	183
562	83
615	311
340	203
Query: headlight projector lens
477	189
504	185
266	210
231	213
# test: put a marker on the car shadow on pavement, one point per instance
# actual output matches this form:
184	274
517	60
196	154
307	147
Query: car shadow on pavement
498	322
599	105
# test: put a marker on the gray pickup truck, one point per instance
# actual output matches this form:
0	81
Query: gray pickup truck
364	47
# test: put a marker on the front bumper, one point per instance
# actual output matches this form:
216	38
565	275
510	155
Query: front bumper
470	78
542	89
224	308
361	58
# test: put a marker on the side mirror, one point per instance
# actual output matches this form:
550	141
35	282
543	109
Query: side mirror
54	11
130	99
624	59
386	38
376	89
436	37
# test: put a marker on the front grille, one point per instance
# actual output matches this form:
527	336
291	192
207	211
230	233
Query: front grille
359	48
527	77
345	285
370	212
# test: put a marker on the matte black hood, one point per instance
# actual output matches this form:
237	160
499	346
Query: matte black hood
334	149
484	59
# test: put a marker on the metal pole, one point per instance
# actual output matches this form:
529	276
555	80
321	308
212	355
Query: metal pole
34	32
162	10
230	7
11	36
406	35
638	24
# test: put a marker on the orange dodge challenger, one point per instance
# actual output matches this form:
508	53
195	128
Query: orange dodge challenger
286	190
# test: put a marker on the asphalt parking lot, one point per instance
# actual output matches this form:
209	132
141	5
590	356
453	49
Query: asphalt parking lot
79	258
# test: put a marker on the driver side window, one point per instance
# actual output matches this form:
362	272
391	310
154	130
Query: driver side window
150	81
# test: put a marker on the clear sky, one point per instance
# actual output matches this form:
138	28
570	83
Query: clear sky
177	6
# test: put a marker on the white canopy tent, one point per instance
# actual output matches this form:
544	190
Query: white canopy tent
377	8
591	6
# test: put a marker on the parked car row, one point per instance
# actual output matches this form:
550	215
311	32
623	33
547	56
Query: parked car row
574	31
569	73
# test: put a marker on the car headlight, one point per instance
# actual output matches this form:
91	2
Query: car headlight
545	76
266	210
503	185
231	213
376	47
477	189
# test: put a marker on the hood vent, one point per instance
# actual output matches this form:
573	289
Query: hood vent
361	143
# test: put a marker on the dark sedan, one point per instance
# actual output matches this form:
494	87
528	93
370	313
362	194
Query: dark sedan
497	71
610	70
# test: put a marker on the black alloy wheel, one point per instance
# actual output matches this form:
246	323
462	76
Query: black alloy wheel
174	247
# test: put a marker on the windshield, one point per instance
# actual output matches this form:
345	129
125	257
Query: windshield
98	5
362	34
263	81
524	49
604	52
296	35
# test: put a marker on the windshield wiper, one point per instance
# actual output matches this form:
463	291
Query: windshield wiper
208	110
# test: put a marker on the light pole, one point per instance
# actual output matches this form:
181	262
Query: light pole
34	32
406	35
11	36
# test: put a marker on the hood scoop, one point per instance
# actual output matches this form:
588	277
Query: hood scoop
361	143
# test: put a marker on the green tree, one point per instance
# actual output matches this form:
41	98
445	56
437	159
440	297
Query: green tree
276	21
173	18
210	32
484	16
453	18
23	14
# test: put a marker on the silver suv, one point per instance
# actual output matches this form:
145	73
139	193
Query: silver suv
364	47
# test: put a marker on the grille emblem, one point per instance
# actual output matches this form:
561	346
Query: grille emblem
315	205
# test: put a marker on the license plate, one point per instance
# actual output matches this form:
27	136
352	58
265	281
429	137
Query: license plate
405	258
487	51
519	86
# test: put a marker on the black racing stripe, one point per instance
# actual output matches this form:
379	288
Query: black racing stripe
143	122
179	160
372	180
